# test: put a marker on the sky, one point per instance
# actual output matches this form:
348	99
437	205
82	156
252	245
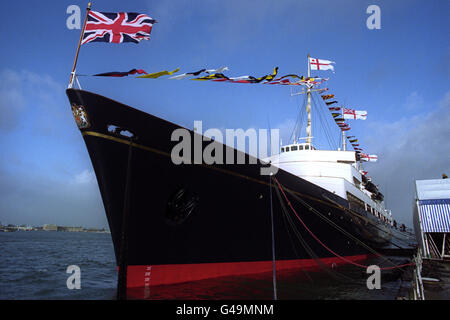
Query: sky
399	74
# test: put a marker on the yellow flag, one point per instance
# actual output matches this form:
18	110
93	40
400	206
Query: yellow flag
159	74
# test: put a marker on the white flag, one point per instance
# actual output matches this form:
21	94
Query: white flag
320	64
181	76
220	70
354	114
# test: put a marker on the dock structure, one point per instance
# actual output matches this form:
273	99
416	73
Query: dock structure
431	277
432	218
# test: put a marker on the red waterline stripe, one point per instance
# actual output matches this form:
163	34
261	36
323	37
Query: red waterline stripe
154	275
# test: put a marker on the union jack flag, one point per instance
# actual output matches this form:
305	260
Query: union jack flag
117	27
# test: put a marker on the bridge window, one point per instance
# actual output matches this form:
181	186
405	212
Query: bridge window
300	147
294	148
307	147
282	149
287	149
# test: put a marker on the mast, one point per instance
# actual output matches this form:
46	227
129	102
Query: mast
308	106
343	132
72	74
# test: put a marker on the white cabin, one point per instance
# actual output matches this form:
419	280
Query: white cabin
333	170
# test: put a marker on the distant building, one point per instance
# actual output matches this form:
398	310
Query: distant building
74	229
50	227
432	217
24	227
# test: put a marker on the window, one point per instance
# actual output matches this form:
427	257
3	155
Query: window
307	147
287	149
300	147
294	148
356	182
282	149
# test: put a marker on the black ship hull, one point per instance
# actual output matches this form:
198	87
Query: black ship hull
178	223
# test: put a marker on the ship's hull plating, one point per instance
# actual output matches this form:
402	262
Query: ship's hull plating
189	222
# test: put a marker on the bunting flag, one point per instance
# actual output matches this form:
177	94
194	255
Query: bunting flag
282	82
187	74
117	27
353	140
345	128
292	76
220	77
159	74
364	172
327	96
120	74
272	76
354	114
212	76
321	64
359	149
339	119
240	78
342	125
334	108
369	157
335	114
314	80
330	102
250	79
355	144
269	77
220	70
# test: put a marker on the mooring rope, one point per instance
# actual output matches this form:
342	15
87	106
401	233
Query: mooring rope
273	244
326	247
305	245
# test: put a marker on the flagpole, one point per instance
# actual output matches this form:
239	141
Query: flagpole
72	74
308	105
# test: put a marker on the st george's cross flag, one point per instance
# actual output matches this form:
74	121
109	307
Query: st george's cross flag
354	114
117	27
321	64
369	157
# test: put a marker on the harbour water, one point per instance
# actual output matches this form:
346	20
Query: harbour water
33	266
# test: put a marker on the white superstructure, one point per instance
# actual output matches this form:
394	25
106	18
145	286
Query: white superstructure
333	170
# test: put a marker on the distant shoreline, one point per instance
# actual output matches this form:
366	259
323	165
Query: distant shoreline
52	228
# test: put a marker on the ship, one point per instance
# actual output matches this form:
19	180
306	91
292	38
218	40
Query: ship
175	223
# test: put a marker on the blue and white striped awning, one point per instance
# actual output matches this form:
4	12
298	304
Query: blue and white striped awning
435	215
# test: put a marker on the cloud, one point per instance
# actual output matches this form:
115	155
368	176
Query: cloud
23	93
36	199
12	100
45	173
414	101
412	148
85	177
